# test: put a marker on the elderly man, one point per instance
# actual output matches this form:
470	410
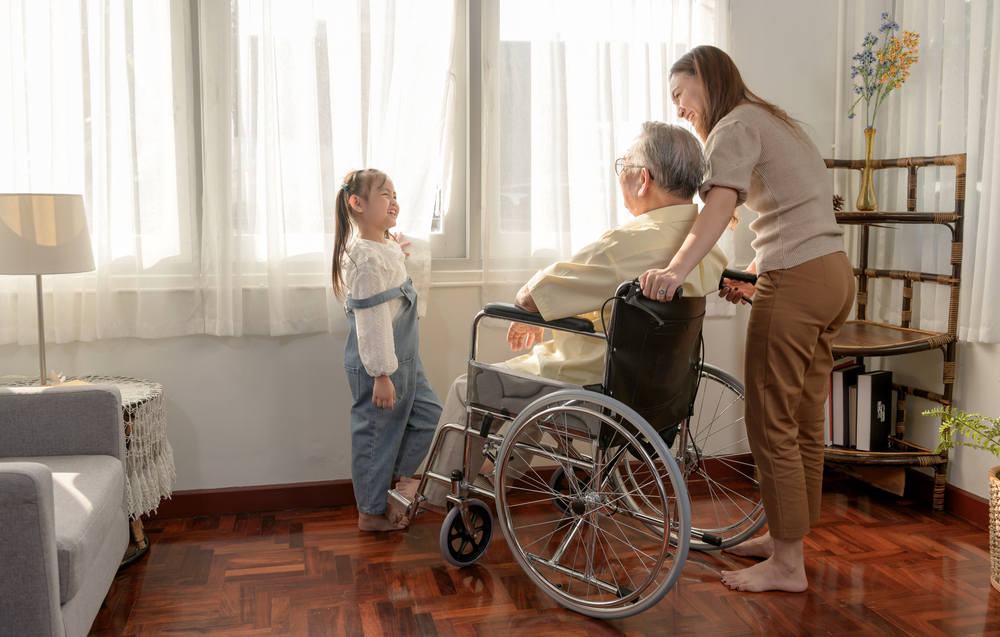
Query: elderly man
658	176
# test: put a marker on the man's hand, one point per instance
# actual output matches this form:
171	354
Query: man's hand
384	394
524	336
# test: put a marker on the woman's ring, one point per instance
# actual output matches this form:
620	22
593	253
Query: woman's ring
661	293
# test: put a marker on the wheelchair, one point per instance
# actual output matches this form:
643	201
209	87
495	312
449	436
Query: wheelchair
600	491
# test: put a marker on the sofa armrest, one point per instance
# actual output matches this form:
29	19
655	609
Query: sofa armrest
29	588
61	421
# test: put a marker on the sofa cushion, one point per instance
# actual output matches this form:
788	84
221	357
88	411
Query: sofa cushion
88	501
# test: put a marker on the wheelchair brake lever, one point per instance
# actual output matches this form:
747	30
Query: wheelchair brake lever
634	290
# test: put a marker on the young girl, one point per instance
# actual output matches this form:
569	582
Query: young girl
395	411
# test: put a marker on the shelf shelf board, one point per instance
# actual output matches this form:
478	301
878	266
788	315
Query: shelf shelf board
866	338
865	218
904	454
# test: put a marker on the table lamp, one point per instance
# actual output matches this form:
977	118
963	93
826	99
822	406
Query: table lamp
43	234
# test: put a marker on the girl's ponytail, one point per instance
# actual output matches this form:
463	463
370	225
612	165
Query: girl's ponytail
358	183
342	237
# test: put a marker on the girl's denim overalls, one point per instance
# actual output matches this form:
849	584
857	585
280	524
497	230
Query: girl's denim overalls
388	442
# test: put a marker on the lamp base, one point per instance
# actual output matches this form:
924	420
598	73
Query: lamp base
43	381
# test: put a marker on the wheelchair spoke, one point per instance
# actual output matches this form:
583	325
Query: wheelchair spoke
718	468
546	540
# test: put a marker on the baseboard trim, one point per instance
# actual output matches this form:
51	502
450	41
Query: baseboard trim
959	502
272	497
312	495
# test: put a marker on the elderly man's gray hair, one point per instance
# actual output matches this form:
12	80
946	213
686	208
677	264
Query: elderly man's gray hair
674	157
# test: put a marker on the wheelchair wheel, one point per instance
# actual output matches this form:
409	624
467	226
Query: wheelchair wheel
608	555
720	474
459	546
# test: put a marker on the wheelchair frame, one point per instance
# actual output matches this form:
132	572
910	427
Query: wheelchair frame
631	494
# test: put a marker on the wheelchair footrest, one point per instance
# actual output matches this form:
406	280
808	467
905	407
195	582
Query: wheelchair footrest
402	502
482	482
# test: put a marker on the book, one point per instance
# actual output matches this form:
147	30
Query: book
828	418
874	415
852	415
843	378
839	363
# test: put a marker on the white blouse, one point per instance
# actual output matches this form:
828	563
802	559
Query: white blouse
370	268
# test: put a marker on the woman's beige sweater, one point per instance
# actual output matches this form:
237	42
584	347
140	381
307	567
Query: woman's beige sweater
779	174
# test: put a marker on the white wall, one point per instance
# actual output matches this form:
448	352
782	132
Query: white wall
786	52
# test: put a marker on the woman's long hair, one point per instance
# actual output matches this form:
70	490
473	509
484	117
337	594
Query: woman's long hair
358	182
723	87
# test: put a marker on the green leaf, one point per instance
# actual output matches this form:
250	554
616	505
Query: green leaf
982	432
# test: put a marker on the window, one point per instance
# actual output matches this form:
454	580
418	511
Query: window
573	88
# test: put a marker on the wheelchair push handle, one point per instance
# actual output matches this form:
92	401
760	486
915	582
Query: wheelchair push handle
738	275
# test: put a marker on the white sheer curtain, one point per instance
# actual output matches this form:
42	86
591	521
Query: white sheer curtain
565	92
296	95
949	104
95	98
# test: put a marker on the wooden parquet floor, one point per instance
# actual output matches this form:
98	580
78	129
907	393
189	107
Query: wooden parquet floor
877	564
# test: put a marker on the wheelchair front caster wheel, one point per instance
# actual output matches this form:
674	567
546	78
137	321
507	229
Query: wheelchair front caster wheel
459	546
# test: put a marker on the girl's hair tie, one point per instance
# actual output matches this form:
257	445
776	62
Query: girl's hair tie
343	186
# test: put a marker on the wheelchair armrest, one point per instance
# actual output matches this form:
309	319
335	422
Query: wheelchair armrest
511	312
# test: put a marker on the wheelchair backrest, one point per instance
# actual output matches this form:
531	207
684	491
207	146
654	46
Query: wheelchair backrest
653	355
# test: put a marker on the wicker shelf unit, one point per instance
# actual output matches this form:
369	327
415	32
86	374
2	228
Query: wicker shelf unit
861	338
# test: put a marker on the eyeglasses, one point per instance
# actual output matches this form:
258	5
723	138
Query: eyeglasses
620	165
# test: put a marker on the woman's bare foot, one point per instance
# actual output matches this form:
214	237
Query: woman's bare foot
783	571
391	520
760	546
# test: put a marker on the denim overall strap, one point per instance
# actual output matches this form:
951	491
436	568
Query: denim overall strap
380	298
405	335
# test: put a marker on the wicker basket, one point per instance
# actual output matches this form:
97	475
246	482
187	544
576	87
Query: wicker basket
994	474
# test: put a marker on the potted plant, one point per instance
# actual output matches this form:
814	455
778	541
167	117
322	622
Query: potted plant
981	432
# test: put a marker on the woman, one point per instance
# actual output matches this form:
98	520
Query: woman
760	156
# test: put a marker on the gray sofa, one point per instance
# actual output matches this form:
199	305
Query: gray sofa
63	507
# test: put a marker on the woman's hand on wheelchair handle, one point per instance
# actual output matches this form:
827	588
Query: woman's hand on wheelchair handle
524	336
660	285
735	291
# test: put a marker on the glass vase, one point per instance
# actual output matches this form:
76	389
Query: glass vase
866	197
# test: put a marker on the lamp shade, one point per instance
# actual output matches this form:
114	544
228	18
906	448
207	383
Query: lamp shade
44	234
